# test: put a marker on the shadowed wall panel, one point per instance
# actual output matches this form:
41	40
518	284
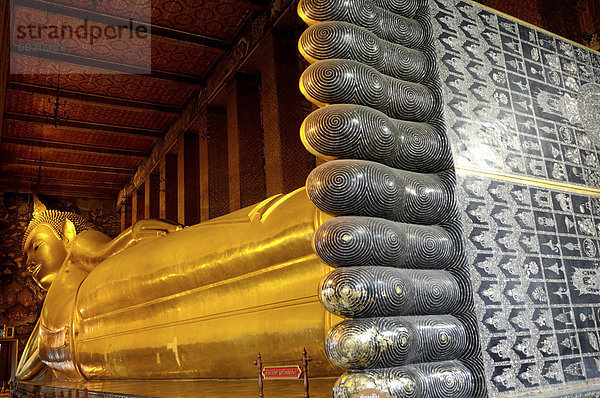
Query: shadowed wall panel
216	143
528	11
589	22
203	177
151	205
137	205
4	58
560	17
126	215
168	187
287	163
245	142
188	192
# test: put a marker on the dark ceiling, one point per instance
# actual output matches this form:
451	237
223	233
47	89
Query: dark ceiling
111	111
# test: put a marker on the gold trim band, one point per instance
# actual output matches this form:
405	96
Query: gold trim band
534	182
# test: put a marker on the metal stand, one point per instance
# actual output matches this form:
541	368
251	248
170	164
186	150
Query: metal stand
305	360
258	363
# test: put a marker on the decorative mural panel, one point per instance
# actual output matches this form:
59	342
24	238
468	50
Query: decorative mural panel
535	271
522	111
513	96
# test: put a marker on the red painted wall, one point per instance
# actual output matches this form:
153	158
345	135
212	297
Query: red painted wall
527	11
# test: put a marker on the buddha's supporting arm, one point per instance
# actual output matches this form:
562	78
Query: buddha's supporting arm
31	366
92	247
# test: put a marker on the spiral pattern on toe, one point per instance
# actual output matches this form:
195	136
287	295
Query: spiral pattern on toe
361	188
384	23
348	241
361	292
436	292
430	247
359	132
449	379
475	367
349	82
465	304
407	8
471	327
387	342
346	41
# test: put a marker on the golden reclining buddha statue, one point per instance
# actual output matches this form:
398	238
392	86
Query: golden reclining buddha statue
364	266
159	300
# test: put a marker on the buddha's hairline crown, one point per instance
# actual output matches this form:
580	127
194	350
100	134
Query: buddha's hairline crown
55	219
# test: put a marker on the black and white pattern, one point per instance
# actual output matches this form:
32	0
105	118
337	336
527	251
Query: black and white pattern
367	241
522	105
535	254
338	81
518	99
331	40
362	188
401	22
373	343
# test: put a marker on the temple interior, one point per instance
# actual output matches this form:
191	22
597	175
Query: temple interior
200	122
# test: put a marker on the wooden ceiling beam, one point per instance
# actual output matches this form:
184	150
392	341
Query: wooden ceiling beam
112	66
78	124
99	99
38	143
90	192
18	178
218	45
67	166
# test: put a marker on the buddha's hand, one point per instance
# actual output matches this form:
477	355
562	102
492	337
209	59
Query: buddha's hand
153	228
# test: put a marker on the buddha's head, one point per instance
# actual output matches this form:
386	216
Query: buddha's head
46	241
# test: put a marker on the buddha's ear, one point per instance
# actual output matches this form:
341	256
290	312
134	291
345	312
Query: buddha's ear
69	231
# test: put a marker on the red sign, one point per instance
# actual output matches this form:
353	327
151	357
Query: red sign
282	372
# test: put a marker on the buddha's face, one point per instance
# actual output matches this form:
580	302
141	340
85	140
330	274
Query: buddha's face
46	253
